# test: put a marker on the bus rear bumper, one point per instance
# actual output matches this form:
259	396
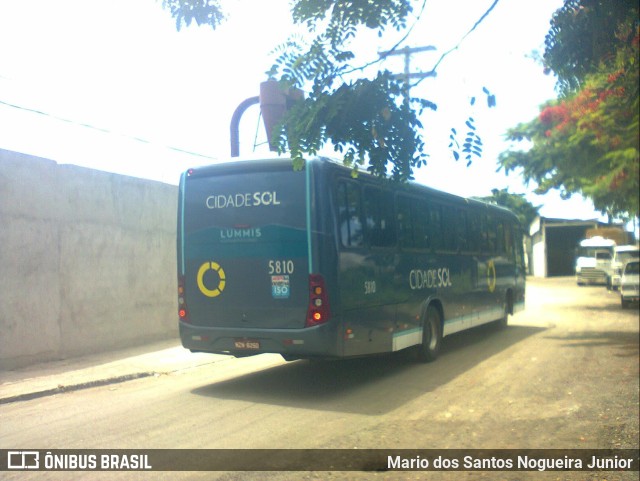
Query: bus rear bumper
313	342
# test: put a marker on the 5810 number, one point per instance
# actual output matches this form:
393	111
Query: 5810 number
369	287
281	267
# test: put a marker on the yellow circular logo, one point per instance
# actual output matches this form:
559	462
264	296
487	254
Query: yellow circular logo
214	266
491	276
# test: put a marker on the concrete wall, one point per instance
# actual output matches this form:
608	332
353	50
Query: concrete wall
539	265
87	260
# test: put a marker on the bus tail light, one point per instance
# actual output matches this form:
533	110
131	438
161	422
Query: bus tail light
318	311
183	312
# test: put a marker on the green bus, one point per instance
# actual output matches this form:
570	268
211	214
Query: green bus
318	263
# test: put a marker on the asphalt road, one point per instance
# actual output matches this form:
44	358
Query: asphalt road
564	374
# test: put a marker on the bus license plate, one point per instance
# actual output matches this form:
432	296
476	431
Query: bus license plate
247	344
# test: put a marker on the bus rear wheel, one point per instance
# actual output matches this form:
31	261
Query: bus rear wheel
431	336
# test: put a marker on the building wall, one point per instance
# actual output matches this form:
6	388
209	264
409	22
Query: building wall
88	260
539	249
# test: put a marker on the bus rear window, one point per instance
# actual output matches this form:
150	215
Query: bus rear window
247	206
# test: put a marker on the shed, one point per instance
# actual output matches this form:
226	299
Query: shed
553	244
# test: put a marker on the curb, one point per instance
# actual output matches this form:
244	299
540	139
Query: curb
76	387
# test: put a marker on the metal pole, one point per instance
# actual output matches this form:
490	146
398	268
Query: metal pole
235	123
407	67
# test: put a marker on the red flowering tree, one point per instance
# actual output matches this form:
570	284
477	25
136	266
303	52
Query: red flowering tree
587	142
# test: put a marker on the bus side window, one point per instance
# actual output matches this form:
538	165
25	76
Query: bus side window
449	229
435	226
406	222
412	217
462	231
379	218
421	225
508	240
473	226
488	235
349	214
519	248
500	238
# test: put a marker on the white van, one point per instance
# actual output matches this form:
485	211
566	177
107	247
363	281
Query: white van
629	284
593	260
621	255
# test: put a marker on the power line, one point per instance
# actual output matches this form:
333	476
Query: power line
471	30
100	129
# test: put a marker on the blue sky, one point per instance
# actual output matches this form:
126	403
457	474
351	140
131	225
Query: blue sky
111	84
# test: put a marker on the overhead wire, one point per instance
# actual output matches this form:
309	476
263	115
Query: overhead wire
103	130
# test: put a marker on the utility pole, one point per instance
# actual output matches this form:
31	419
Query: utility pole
407	51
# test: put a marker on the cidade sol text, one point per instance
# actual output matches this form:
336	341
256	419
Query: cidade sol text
247	199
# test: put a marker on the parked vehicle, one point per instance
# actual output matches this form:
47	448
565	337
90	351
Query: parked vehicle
593	260
621	255
629	290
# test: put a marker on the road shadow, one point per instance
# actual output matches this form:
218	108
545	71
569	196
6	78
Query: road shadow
369	386
628	343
